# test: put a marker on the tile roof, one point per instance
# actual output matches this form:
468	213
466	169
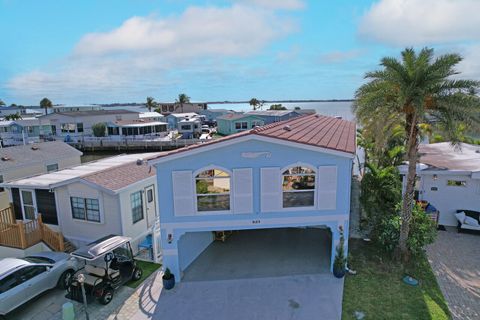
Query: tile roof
31	154
316	130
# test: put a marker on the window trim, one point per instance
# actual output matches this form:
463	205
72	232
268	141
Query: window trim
52	164
195	195
463	183
142	206
306	208
100	215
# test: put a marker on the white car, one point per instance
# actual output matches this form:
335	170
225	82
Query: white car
22	279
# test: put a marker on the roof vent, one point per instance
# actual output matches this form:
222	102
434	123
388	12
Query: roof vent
287	128
34	147
5	158
139	162
317	116
338	117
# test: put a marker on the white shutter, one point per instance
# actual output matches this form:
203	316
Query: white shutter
183	194
327	188
270	190
242	191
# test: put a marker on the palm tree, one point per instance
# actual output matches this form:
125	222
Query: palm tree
14	116
255	103
151	103
45	104
183	98
418	89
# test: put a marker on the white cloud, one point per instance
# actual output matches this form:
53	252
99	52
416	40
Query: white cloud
340	56
140	54
470	66
421	22
276	4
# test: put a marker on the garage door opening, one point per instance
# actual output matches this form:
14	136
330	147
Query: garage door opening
264	253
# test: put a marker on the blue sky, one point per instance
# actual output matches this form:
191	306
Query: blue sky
122	51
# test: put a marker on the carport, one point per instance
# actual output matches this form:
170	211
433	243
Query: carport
263	253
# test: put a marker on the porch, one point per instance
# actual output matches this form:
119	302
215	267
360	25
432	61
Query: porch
24	234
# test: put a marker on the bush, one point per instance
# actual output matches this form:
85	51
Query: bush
99	129
423	231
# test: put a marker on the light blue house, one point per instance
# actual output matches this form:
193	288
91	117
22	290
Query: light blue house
271	116
237	122
288	175
174	118
213	114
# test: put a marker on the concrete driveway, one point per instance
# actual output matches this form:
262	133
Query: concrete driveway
455	260
255	274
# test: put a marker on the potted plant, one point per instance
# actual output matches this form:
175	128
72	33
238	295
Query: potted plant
340	260
168	279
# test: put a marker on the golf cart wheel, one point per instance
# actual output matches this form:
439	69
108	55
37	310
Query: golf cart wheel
107	296
65	279
137	274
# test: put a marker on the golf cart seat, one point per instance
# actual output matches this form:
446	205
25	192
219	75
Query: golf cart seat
97	272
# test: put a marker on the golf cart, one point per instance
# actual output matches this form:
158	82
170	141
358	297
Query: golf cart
109	264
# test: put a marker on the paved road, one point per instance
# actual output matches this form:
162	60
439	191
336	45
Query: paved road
455	259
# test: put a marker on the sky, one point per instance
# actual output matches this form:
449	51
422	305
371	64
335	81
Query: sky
83	52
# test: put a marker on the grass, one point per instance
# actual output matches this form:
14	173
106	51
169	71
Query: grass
378	290
148	268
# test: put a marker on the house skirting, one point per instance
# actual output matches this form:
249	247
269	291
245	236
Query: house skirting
178	255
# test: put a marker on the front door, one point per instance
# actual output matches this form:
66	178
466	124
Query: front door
29	207
150	205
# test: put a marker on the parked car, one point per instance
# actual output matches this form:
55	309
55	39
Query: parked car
109	264
22	279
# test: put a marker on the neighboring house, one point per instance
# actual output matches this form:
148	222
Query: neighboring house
137	129
271	116
176	107
448	178
190	128
23	111
115	195
73	125
294	174
151	115
24	131
212	114
65	108
236	122
174	118
305	111
28	160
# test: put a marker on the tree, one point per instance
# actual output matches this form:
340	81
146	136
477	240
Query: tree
15	116
2	104
418	89
151	103
99	129
256	104
297	108
277	107
45	104
183	98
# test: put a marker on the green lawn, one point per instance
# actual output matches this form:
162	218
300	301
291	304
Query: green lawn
378	290
148	268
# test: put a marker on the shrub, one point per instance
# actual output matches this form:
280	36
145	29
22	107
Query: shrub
99	129
167	275
422	231
340	260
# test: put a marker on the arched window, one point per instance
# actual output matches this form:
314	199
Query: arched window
213	190
298	186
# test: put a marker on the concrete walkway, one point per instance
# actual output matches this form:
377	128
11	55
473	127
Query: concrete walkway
455	260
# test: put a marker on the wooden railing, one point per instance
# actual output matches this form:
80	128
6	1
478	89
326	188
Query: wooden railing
21	235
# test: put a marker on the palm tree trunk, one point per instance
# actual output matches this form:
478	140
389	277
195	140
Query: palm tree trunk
407	204
45	110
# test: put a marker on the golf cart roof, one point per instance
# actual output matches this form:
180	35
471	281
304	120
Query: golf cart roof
100	247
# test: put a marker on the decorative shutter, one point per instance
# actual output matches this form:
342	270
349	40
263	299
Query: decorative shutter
270	190
327	188
183	204
242	191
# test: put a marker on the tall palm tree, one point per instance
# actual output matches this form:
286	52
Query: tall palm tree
151	103
45	104
418	89
255	103
183	98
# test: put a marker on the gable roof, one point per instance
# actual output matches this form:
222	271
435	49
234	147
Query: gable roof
35	153
111	174
313	130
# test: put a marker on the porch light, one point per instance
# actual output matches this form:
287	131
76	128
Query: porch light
435	177
170	238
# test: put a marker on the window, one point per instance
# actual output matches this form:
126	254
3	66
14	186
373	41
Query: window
80	127
85	209
67	127
213	190
185	127
1	181
298	187
52	167
149	195
241	125
54	129
137	206
456	183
